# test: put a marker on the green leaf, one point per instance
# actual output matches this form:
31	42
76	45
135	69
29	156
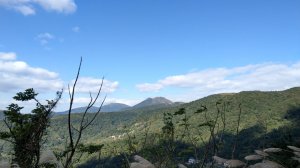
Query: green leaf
29	94
201	110
180	111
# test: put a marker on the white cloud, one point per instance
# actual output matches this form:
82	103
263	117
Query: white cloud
76	29
44	38
7	56
18	75
28	7
149	87
269	76
84	101
63	6
25	9
129	102
89	84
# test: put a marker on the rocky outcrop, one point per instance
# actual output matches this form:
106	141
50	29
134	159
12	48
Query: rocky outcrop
141	163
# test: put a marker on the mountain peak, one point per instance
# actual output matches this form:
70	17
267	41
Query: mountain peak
161	100
156	101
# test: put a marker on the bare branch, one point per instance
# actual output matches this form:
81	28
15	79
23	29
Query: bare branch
98	93
84	123
69	159
75	128
99	109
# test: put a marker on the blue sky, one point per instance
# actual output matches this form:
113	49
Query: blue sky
182	50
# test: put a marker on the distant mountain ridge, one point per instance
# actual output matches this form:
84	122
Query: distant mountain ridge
112	107
150	103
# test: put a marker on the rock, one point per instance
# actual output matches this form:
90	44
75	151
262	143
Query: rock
141	163
4	164
267	164
272	150
219	160
181	166
253	157
261	153
294	148
234	164
136	165
297	154
296	158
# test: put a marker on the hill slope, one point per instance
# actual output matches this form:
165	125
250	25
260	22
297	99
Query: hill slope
113	107
279	112
271	106
157	101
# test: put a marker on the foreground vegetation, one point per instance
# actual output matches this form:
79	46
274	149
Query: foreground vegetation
199	130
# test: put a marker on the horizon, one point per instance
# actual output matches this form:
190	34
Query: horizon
179	50
176	101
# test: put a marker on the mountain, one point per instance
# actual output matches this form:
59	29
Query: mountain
79	110
112	107
272	114
149	103
280	110
157	101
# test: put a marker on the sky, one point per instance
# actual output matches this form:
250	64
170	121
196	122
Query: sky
182	50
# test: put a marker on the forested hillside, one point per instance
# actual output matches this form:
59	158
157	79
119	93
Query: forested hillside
266	119
268	116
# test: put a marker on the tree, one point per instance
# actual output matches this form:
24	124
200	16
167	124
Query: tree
75	133
25	131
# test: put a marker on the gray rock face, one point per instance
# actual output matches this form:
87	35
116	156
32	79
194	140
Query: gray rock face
219	160
234	164
181	166
267	164
141	163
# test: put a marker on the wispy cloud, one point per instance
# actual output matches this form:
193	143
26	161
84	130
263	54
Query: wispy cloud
268	76
149	87
84	101
129	102
28	7
89	84
44	38
76	29
25	9
18	75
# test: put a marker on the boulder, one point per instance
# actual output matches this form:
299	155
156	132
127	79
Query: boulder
141	163
266	164
234	164
181	166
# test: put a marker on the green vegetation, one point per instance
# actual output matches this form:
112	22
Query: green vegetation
25	131
200	129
